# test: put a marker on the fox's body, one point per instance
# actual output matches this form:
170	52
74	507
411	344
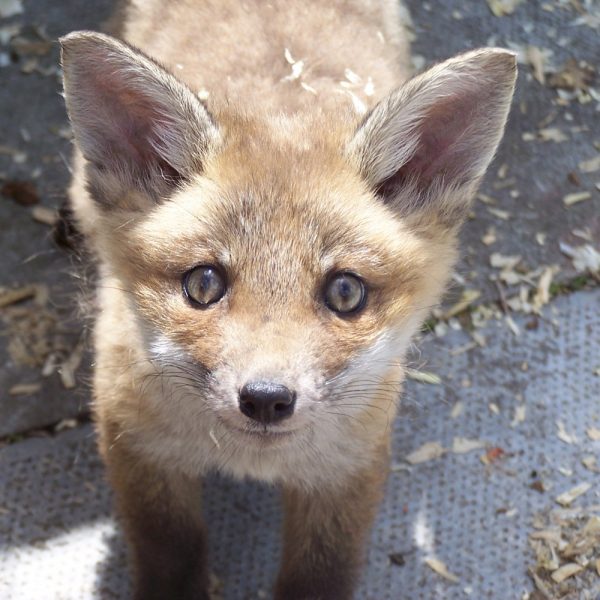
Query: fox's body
291	184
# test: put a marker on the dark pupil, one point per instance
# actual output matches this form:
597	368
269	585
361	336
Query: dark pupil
345	289
345	293
207	281
206	285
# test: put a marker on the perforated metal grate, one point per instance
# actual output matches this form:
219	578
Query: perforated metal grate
57	539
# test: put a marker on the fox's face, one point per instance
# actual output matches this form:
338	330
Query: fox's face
286	277
278	266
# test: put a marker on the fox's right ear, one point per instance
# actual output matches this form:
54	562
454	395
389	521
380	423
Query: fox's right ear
425	147
138	127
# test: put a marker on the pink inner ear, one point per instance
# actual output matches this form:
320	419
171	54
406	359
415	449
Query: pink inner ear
128	124
124	123
443	145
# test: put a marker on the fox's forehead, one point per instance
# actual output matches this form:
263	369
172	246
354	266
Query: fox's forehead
276	211
306	222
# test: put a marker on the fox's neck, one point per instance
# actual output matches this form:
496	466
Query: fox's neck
280	55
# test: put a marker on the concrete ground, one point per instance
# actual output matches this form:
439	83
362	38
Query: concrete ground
508	371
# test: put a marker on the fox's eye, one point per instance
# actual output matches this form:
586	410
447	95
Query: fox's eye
204	285
345	293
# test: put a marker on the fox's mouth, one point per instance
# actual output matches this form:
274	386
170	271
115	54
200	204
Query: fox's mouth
264	433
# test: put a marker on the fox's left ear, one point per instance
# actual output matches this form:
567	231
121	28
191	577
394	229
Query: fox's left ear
426	146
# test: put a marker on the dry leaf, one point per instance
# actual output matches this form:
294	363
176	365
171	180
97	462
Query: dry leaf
398	467
589	462
572	76
501	214
571	199
590	166
65	424
563	435
567	498
512	325
584	233
427	452
493	455
485	198
13	296
566	571
423	377
27	47
592	527
548	535
24	389
593	434
552	134
9	31
457	409
9	8
490	236
467	298
462	349
542	294
540	585
462	445
441	569
501	261
505	183
68	368
479	339
567	544
44	215
23	192
500	8
520	414
535	57
585	258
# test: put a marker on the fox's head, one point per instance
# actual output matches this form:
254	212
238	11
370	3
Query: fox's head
279	264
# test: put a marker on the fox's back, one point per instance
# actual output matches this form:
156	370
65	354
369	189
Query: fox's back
282	55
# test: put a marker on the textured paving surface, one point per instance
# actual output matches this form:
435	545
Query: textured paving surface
32	119
57	539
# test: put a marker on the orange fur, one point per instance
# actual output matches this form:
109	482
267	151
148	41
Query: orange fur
276	141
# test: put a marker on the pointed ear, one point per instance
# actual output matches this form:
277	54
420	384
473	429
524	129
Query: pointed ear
138	127
426	146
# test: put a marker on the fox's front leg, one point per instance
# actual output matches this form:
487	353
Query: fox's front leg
161	515
325	533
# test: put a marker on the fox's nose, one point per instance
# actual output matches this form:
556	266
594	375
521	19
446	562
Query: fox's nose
266	402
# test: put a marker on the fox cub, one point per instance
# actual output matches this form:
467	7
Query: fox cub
273	203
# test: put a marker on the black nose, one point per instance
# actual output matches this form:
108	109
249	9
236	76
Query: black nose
266	402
